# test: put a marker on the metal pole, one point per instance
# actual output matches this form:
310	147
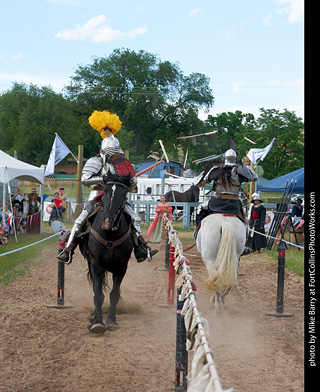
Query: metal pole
181	350
60	281
170	299
280	286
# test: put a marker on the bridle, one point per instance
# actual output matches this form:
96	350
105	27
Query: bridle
117	215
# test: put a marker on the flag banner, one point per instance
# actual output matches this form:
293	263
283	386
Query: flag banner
44	197
58	152
73	206
57	202
255	154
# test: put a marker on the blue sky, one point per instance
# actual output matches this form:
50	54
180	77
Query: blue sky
252	50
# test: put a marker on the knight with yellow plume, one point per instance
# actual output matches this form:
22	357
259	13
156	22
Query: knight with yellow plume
111	158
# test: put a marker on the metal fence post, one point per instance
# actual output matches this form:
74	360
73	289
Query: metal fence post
181	350
280	285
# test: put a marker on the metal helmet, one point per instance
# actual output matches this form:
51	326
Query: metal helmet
230	158
109	147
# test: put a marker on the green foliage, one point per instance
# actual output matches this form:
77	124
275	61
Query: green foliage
154	100
29	118
287	153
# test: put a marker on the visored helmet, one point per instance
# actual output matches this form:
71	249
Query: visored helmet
230	158
110	146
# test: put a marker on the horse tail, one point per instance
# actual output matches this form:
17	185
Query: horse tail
223	273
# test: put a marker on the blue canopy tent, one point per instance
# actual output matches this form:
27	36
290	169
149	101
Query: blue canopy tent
279	184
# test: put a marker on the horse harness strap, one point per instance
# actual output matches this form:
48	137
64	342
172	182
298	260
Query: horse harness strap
110	244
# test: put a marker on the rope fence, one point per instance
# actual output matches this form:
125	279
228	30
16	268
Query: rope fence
277	238
203	375
28	246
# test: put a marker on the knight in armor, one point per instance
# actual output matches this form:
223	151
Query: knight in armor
111	158
227	179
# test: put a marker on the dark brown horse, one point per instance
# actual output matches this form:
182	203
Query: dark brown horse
190	195
107	248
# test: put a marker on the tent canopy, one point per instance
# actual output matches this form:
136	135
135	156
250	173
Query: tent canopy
279	184
11	168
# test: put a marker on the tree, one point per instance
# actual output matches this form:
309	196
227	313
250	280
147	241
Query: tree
29	118
153	99
287	152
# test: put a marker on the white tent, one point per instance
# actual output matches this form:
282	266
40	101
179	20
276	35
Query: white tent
11	168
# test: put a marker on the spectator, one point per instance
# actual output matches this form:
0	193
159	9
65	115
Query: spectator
33	224
3	235
155	230
56	212
297	209
33	202
63	196
18	198
20	221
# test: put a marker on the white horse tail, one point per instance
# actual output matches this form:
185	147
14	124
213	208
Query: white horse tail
223	273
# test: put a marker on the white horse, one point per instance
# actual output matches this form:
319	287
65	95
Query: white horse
221	240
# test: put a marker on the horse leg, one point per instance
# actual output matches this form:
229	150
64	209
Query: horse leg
97	325
111	322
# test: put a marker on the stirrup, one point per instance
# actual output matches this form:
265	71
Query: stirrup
151	253
65	260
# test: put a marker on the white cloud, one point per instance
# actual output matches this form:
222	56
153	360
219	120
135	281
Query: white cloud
236	86
96	30
267	20
18	56
6	79
195	11
295	9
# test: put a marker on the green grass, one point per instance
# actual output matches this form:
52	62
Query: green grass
18	263
294	259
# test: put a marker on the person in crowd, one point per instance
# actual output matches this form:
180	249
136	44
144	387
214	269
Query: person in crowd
297	209
56	212
111	158
257	217
63	196
33	202
20	219
3	235
18	198
155	230
33	224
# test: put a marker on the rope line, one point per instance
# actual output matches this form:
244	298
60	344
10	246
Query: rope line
203	362
277	239
28	246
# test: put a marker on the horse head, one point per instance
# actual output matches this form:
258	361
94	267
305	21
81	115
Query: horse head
115	191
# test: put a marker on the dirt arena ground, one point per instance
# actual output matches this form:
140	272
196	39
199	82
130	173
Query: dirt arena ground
44	349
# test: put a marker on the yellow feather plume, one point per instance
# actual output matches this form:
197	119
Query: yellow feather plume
105	123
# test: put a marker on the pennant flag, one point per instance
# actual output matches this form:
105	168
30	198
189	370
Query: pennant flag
73	207
255	154
58	152
57	202
44	197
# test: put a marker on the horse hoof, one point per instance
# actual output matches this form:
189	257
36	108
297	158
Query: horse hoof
97	328
112	326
